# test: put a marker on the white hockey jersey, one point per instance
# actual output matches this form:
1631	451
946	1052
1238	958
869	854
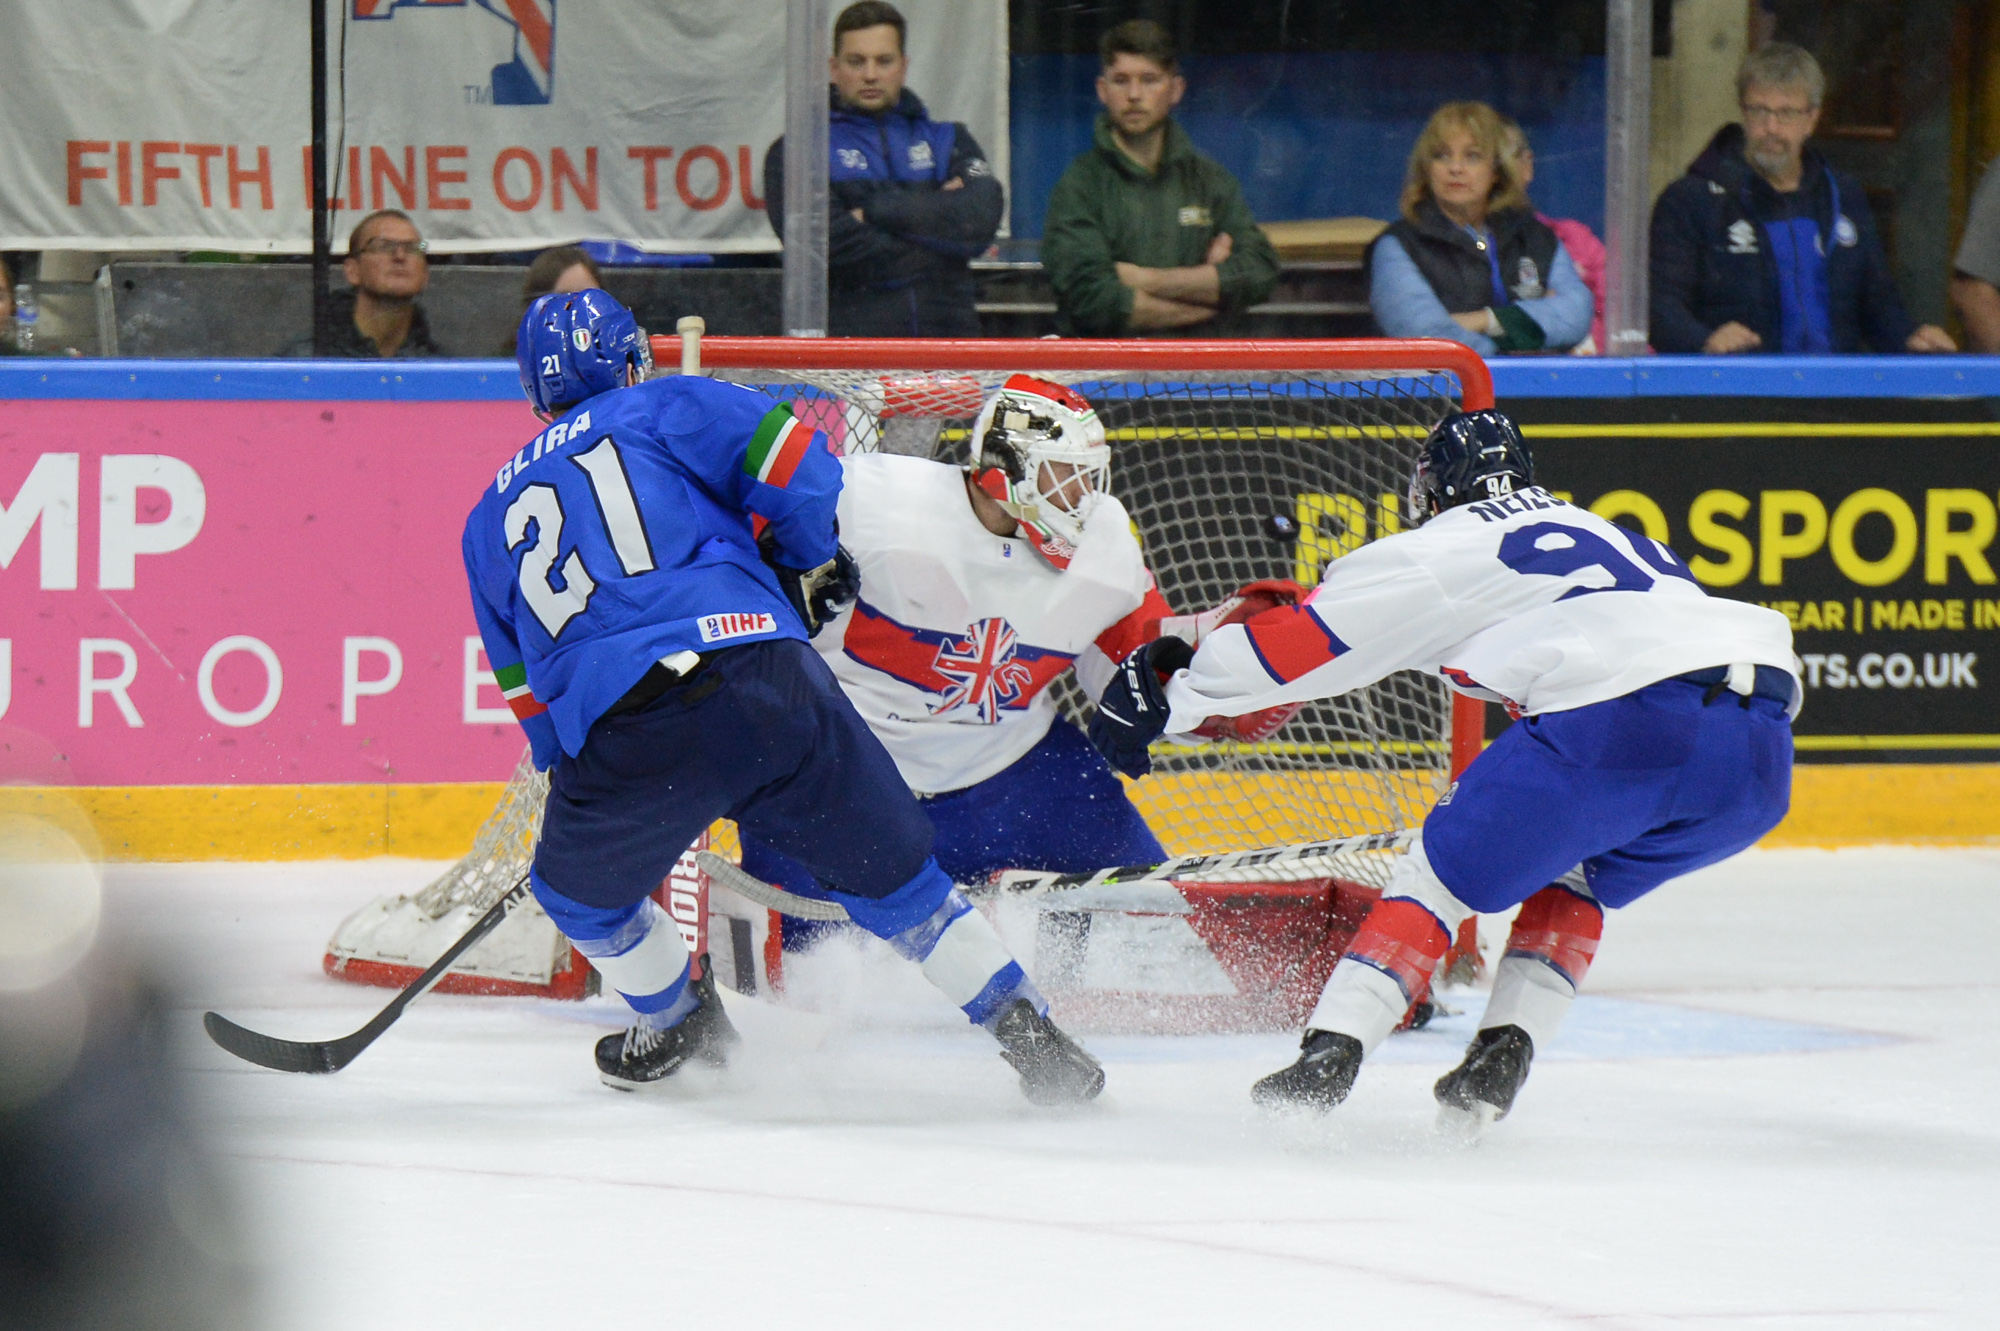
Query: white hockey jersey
1525	600
949	653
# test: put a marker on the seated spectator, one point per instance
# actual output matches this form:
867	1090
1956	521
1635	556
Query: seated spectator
913	199
6	310
1585	250
1468	259
1975	278
379	317
1143	233
564	268
1762	246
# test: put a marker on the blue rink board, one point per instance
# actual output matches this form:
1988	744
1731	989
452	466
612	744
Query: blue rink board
498	381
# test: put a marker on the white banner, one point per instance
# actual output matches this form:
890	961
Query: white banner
496	124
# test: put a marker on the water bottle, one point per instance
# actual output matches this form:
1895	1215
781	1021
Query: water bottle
26	313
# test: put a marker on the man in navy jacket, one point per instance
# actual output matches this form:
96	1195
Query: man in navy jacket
913	198
1762	246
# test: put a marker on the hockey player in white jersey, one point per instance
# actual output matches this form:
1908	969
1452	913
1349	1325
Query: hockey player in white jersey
1654	738
979	589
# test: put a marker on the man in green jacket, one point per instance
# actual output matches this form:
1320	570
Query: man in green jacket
1144	234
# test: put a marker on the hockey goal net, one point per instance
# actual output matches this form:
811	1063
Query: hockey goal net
1237	461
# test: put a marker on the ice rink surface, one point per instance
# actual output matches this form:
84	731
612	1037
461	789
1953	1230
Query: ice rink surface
1774	1108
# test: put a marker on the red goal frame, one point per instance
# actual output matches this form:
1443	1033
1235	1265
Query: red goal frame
1433	355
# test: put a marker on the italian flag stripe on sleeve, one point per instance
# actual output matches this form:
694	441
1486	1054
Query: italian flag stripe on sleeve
778	447
513	682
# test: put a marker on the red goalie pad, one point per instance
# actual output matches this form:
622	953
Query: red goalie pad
1254	600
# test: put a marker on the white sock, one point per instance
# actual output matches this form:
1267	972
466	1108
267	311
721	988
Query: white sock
1529	994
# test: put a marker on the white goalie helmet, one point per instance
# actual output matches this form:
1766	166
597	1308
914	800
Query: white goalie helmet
1039	449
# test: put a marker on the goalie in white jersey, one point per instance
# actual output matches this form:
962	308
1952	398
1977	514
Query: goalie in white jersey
1655	738
979	589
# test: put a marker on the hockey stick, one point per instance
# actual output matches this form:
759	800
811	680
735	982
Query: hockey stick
268	1051
1264	864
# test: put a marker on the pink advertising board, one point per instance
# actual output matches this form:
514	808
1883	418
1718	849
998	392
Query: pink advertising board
246	592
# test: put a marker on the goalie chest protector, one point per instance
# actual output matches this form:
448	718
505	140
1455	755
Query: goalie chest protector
949	653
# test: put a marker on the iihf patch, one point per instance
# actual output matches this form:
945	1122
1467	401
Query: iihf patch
721	628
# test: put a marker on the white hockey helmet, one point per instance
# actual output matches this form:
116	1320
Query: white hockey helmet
1039	449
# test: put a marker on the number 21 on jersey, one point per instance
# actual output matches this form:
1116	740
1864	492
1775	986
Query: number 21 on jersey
540	506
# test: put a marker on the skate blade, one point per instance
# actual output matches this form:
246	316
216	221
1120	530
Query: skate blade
1466	1126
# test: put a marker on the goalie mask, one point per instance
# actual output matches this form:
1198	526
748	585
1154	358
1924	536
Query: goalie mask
1039	449
1471	455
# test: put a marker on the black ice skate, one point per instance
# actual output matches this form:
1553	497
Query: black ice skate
1054	1069
644	1056
1320	1079
1481	1089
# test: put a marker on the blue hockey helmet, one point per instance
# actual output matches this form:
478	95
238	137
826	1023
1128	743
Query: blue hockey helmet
1470	455
574	345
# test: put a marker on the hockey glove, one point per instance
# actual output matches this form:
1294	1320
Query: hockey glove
1133	711
817	594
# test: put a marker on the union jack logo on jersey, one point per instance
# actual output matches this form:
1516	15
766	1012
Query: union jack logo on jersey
980	673
983	672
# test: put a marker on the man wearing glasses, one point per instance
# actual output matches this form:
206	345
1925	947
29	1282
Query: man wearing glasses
379	317
1763	247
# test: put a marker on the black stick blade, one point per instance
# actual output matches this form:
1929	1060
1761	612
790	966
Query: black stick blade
268	1051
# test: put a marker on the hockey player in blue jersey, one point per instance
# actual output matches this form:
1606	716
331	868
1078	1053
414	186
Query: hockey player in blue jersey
645	574
1655	738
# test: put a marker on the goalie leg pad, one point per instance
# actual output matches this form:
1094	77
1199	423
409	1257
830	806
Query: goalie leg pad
1549	952
637	949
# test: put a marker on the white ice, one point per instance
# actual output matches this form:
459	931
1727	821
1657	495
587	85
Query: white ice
1774	1108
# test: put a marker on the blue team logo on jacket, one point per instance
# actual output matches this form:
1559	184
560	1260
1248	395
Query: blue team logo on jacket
981	672
526	80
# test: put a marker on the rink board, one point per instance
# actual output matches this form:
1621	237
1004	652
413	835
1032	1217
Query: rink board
1844	805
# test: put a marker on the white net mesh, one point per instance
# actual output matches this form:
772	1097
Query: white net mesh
501	849
1229	477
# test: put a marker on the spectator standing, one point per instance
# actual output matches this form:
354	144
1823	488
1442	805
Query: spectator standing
380	316
565	269
913	198
1975	278
1585	250
1762	246
1468	259
1143	233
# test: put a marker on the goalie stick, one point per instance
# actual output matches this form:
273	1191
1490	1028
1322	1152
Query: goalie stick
269	1051
1263	864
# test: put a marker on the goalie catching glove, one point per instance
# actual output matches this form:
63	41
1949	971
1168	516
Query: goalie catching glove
818	594
1253	600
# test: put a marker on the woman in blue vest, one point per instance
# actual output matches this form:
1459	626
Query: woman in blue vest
1468	259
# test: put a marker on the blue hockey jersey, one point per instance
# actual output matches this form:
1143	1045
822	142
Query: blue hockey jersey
626	532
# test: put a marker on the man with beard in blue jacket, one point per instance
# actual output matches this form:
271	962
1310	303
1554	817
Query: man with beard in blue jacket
1762	246
913	198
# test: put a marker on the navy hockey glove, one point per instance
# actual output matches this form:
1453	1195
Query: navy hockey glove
817	594
1133	711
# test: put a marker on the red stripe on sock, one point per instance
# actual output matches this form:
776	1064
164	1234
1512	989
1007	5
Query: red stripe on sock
1560	928
1404	940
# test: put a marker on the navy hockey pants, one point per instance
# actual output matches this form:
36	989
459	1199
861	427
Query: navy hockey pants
1057	807
1638	789
762	735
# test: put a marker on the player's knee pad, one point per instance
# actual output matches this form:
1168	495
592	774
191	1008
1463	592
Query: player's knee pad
1414	880
1559	927
637	949
905	908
